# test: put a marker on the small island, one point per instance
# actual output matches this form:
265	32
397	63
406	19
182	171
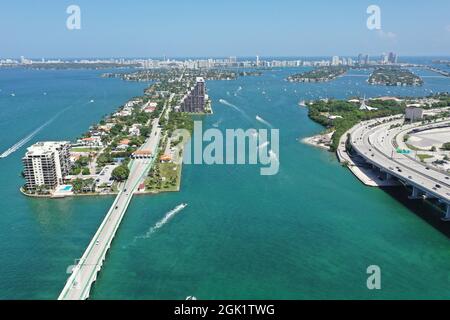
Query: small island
321	74
78	65
250	73
167	75
393	76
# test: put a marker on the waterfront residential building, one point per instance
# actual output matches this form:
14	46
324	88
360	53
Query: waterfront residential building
335	61
195	100
93	141
149	107
135	130
46	164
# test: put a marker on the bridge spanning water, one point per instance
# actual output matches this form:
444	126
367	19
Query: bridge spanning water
84	274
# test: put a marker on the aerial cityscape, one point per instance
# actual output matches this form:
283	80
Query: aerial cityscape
173	159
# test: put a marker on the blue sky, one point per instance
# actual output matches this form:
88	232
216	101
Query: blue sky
176	28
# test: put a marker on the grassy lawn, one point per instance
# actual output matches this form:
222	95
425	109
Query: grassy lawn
423	157
410	146
165	177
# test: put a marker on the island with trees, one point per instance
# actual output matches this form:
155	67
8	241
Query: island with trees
166	75
320	74
394	76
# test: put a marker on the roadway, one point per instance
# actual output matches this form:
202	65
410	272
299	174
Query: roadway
84	274
375	144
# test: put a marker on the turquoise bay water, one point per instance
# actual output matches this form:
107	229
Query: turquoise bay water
308	232
39	239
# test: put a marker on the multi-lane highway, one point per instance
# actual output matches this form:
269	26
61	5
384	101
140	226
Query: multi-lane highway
375	143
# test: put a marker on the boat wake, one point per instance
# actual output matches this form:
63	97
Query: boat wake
273	155
225	102
167	217
263	121
263	145
30	136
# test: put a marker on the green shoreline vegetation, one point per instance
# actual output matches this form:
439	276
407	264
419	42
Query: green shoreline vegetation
321	74
341	115
394	76
381	75
75	66
250	73
347	114
164	75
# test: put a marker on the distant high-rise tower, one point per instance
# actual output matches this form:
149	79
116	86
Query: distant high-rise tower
257	61
195	100
363	59
384	58
392	58
335	61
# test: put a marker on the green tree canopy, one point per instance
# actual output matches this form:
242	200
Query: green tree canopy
120	173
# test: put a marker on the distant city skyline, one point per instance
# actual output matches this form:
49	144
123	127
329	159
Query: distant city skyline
375	56
232	28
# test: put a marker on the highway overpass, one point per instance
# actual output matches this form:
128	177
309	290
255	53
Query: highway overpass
375	143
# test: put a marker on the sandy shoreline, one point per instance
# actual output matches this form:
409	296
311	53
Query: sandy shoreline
321	141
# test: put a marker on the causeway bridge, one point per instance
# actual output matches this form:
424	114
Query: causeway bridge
84	274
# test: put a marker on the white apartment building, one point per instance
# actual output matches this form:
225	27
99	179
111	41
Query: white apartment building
46	164
335	61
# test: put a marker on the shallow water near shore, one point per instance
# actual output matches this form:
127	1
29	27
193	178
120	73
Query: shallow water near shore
308	232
